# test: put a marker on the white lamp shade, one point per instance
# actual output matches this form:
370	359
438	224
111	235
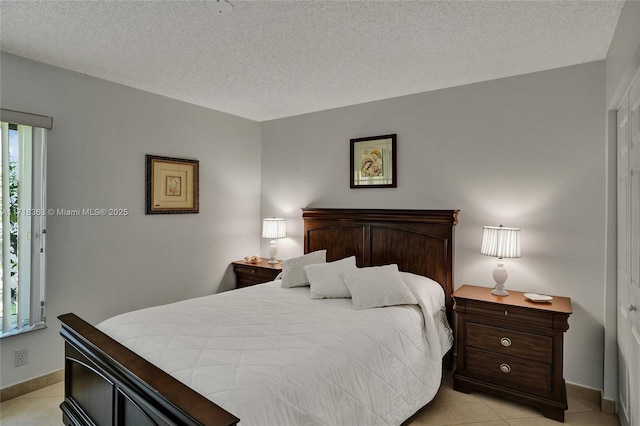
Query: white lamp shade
274	228
498	241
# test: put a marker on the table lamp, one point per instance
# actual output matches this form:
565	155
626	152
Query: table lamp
274	228
500	242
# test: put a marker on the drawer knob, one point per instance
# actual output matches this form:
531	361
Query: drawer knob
505	368
505	341
632	308
253	271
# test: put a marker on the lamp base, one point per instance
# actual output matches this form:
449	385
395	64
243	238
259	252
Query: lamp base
273	249
499	292
500	276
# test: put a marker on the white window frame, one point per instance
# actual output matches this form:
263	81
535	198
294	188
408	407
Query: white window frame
35	221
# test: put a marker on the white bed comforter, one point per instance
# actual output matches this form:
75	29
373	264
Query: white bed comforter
275	357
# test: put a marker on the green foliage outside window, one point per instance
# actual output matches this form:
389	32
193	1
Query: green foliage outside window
13	231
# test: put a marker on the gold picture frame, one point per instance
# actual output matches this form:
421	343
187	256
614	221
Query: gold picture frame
373	162
171	185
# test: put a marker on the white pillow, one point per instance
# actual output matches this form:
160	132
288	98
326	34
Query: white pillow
378	286
326	280
293	274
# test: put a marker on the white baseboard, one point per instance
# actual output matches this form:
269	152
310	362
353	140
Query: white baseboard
31	385
607	406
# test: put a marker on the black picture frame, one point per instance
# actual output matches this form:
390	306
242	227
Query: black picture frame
172	185
373	162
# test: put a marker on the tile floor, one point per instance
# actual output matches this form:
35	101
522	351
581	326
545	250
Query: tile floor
40	408
477	409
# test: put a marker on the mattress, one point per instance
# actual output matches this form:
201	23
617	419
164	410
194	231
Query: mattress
274	356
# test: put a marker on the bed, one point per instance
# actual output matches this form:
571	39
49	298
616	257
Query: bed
284	358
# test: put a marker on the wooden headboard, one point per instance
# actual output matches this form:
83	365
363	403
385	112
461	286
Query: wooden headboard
418	241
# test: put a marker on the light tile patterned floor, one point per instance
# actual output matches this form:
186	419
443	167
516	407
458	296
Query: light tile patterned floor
40	408
477	409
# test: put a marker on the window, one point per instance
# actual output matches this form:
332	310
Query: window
23	227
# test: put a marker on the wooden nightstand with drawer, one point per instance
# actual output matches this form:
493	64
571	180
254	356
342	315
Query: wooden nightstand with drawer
255	273
512	347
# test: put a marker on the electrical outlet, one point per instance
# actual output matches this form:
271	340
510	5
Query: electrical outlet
20	357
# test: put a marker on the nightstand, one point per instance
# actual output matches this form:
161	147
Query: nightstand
512	347
255	273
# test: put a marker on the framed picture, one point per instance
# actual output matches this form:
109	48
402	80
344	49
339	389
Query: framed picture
171	185
373	162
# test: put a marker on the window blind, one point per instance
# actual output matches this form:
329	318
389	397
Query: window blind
24	214
28	119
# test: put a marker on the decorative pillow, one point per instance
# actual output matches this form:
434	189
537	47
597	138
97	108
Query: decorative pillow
378	286
293	274
326	280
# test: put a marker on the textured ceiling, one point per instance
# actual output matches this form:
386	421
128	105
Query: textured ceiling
272	59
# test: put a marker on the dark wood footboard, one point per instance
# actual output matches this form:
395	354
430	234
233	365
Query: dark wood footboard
108	384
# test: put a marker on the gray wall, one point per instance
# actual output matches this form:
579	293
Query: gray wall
102	266
623	57
526	151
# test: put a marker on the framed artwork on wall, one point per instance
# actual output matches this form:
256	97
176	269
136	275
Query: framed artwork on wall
373	162
171	185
